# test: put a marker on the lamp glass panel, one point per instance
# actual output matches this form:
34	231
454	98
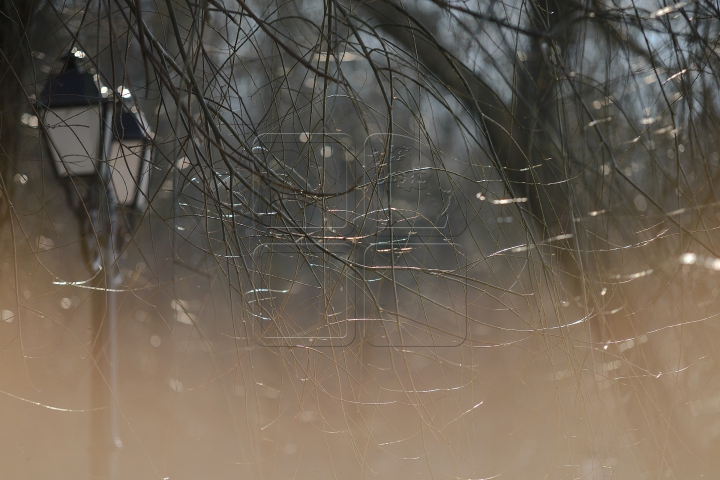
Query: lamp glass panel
125	162
75	139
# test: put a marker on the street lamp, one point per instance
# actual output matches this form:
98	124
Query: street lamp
93	134
94	138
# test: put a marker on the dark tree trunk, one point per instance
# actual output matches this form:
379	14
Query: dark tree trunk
15	17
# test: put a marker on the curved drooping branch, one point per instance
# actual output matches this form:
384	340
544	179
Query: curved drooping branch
520	135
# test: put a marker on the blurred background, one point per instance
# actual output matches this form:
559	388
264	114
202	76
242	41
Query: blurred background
359	239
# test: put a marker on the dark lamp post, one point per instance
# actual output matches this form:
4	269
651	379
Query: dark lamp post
93	133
